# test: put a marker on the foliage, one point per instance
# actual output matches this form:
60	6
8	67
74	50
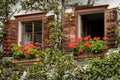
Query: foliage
1	33
6	9
87	44
55	34
28	51
1	55
117	31
5	13
104	69
9	71
1	40
55	66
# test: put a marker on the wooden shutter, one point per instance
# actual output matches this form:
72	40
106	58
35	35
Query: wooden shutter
110	26
45	22
68	30
11	33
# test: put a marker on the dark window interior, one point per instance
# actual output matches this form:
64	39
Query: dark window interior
93	24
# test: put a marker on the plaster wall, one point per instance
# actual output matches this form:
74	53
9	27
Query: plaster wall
111	3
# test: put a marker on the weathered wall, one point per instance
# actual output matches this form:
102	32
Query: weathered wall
11	33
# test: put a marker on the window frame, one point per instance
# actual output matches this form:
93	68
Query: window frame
88	9
27	18
33	28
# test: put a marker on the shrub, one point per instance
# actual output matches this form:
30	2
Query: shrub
55	66
101	69
9	71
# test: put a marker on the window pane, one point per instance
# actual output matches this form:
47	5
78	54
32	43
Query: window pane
37	26
27	27
32	35
38	38
27	38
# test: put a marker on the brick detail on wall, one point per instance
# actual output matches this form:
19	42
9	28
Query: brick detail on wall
110	26
68	30
11	33
45	22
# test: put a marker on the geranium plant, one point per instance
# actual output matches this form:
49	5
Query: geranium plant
87	44
27	51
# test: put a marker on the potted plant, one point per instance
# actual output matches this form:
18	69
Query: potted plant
23	53
88	47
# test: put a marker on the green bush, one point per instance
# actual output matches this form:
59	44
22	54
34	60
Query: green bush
105	68
55	66
9	71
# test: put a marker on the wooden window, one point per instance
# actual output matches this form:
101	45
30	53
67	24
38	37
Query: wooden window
32	32
91	21
105	25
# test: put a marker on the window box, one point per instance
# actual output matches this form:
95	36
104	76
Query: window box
88	47
89	55
26	61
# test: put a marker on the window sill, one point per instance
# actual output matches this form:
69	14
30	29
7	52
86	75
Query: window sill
89	56
26	61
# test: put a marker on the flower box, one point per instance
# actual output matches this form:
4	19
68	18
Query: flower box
26	61
88	47
89	56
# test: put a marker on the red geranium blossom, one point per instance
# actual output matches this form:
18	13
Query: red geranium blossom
79	40
105	38
96	38
28	52
87	38
17	49
9	41
80	50
86	44
21	43
8	48
37	44
72	45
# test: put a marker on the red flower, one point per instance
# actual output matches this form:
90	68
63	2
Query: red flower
37	44
26	48
80	50
96	38
87	38
23	50
9	40
21	43
104	38
28	52
72	45
8	48
27	44
17	49
79	40
86	44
